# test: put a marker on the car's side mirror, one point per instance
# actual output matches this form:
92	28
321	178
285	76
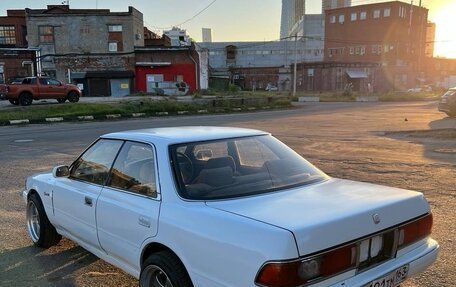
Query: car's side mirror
61	171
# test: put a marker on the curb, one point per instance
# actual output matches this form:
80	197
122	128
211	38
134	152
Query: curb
138	115
114	116
85	118
59	119
19	122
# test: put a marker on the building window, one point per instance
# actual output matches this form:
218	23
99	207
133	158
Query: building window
363	15
112	46
376	14
363	50
357	50
352	50
46	34
341	19
115	28
402	12
332	19
379	49
7	35
387	12
354	16
374	49
386	48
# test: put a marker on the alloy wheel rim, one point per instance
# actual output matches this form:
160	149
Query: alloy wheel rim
33	222
154	276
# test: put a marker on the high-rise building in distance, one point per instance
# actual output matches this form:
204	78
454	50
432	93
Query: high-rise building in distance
292	11
207	35
333	4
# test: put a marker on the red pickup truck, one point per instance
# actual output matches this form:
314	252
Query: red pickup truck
38	88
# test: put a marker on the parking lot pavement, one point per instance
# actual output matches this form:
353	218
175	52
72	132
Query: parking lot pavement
394	144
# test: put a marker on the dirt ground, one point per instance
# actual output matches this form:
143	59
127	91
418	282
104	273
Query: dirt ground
400	145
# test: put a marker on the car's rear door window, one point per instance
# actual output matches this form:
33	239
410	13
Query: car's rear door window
134	170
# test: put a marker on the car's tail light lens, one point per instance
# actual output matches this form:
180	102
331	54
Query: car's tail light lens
415	230
296	273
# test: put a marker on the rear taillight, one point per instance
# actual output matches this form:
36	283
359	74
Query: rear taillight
415	230
296	273
362	254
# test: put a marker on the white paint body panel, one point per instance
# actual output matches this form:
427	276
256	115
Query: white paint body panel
225	243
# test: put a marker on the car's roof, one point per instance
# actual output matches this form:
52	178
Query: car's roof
174	135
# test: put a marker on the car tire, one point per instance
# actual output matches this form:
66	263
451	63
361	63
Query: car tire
61	101
25	99
73	97
14	102
40	230
164	269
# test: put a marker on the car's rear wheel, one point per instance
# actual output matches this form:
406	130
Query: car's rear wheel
73	97
25	99
61	101
164	269
40	230
14	102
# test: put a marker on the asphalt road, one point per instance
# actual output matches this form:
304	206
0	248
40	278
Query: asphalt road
372	142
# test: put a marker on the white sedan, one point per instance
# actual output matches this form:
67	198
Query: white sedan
215	206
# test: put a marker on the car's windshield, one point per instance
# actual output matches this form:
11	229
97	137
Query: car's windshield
239	167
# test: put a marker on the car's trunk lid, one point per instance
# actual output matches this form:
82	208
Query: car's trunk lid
330	213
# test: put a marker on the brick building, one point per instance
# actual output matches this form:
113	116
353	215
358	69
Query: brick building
16	60
376	46
92	47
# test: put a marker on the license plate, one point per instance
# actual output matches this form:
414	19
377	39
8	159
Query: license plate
392	279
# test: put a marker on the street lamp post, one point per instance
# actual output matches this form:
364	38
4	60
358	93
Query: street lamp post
295	65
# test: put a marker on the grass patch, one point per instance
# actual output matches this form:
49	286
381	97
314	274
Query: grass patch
71	111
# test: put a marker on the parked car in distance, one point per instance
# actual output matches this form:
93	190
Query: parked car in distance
219	206
447	102
271	88
38	88
425	88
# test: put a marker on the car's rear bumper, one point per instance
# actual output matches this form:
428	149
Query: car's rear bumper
419	257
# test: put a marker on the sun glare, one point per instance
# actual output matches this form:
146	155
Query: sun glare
445	45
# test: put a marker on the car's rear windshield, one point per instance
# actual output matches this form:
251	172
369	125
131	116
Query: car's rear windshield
237	167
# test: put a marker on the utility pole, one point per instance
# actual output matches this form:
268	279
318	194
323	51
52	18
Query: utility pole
295	65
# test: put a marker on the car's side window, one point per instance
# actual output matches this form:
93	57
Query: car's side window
94	165
134	170
253	153
43	81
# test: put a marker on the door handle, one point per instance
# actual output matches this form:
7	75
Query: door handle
88	201
144	221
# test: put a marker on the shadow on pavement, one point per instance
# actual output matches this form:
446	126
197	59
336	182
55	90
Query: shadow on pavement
439	142
445	123
32	266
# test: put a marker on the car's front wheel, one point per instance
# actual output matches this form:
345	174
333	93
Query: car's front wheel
25	99
73	97
164	269
40	230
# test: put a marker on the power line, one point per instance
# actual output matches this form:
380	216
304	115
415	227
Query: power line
188	20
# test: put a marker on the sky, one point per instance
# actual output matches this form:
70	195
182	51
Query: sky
238	20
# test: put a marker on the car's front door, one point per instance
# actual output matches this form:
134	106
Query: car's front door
129	204
75	197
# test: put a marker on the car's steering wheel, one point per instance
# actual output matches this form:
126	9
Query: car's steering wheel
185	167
